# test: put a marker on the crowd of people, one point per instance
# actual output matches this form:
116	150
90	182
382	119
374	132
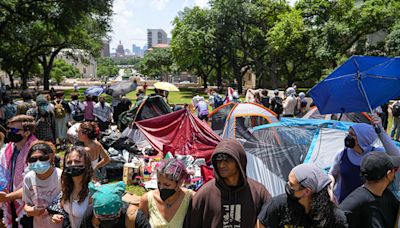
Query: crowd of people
358	191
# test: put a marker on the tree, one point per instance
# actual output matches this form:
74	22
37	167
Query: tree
106	67
157	62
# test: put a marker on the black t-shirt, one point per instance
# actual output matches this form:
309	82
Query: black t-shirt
364	209
274	214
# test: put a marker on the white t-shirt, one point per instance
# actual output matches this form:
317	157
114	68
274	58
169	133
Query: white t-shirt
40	193
76	211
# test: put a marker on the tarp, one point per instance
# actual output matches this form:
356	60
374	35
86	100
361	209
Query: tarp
362	117
274	149
121	88
182	133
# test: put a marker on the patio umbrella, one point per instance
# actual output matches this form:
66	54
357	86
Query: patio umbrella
360	84
94	91
121	88
166	86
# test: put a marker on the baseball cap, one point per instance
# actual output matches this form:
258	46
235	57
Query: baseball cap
375	165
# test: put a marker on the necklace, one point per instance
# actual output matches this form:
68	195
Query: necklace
169	205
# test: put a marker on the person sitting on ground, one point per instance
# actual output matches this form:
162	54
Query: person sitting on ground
140	94
12	157
103	113
75	178
231	199
373	204
88	133
202	109
77	108
345	170
41	184
307	202
89	107
167	206
109	211
45	121
27	103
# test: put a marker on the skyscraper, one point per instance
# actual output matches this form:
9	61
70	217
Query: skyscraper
156	36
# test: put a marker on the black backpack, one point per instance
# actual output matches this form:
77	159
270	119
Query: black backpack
396	110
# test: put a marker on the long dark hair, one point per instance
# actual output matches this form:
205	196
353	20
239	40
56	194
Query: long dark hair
321	214
67	184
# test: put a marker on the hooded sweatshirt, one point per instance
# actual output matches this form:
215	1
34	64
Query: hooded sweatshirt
219	205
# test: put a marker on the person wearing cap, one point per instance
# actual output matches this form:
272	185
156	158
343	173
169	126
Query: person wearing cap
307	202
108	210
345	170
290	103
45	120
231	199
167	206
373	204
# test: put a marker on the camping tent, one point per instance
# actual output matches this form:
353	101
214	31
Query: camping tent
362	117
181	133
234	120
274	149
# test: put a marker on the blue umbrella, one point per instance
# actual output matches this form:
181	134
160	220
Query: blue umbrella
360	84
94	91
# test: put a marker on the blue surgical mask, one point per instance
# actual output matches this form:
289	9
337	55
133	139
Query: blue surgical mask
40	167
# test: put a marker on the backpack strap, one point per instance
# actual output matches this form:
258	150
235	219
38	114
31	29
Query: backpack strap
130	217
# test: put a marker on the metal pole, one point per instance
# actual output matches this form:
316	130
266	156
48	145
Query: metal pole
377	129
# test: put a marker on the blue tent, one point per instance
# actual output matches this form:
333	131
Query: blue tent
359	84
274	149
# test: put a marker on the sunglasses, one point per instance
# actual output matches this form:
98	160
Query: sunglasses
290	190
14	130
107	217
40	158
224	157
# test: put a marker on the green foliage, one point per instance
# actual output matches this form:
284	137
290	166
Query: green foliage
106	67
62	69
157	62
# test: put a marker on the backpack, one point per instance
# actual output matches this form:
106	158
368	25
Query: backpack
278	106
77	113
218	101
396	110
59	110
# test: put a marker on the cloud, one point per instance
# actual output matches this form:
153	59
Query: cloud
202	3
159	4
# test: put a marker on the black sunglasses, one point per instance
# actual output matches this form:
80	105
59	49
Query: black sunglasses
40	158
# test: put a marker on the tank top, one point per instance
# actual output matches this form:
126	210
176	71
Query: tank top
94	163
76	211
158	221
350	176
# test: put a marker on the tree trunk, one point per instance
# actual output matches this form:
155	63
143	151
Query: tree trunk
205	78
11	78
48	66
24	77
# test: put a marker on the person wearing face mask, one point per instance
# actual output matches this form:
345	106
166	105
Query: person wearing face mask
306	203
167	206
41	184
12	157
45	120
373	204
103	113
75	178
108	210
231	199
345	170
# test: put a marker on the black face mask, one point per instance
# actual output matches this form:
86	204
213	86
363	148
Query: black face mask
290	193
109	223
75	170
349	142
12	137
165	193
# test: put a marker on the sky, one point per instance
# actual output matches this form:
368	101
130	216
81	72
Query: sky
132	18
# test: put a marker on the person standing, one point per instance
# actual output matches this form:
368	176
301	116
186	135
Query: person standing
103	113
27	105
123	106
77	108
7	110
290	103
41	184
62	113
276	104
89	107
13	157
373	204
231	199
45	121
307	202
395	132
345	170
